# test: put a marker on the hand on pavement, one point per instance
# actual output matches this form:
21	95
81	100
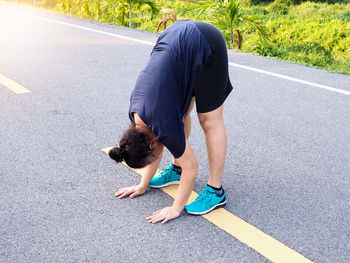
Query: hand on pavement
163	215
131	191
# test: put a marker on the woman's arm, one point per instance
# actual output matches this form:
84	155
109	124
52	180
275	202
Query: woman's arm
148	172
189	165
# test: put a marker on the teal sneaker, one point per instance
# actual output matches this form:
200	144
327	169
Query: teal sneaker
165	177
206	201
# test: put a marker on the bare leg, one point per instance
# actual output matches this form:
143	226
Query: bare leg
187	124
216	140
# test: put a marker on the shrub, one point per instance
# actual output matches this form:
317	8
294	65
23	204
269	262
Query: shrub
279	8
258	11
344	16
261	2
330	1
309	9
318	42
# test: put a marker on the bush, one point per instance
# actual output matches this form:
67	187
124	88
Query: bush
309	9
318	42
258	11
330	1
343	16
279	8
261	2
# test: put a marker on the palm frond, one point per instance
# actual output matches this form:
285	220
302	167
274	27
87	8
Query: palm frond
257	25
154	8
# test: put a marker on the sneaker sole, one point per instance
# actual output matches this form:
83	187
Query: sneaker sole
219	205
163	185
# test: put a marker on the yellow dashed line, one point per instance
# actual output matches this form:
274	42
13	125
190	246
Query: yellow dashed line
249	235
12	85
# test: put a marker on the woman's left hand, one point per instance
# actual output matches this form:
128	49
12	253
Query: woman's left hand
163	215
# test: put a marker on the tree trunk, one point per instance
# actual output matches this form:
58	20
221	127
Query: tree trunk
239	39
231	37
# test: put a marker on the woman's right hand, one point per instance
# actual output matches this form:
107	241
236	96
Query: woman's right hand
131	191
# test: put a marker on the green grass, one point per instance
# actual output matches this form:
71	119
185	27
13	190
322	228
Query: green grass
314	41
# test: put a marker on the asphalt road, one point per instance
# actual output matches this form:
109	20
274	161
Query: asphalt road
287	170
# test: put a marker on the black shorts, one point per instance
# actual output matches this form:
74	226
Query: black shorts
213	84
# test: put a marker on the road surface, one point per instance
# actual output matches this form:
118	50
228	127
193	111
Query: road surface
287	171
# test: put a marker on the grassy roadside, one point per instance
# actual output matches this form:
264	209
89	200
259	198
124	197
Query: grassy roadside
309	33
313	34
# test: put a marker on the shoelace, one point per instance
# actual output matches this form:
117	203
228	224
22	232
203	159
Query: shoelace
204	194
161	171
167	173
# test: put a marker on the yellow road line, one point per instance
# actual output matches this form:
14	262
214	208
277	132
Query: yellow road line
249	235
12	85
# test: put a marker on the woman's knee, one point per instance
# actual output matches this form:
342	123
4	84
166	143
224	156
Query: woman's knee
211	124
211	119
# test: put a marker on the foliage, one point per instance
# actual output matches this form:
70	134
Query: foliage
112	11
227	13
261	2
321	10
280	7
344	15
138	5
316	42
297	2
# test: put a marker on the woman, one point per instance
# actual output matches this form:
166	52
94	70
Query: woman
188	64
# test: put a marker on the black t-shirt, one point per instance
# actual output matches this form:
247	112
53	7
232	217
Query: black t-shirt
164	88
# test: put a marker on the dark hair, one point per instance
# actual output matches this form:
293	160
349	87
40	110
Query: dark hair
134	147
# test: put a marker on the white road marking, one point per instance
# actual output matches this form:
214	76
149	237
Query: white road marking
291	78
79	27
344	92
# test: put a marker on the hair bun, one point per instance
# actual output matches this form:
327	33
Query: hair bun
117	154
